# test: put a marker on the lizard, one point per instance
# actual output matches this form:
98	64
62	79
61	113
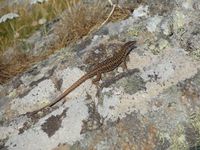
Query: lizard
106	66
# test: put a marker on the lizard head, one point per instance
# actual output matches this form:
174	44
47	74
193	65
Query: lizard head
129	46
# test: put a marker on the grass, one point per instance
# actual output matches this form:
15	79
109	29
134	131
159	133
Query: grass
12	31
83	19
77	20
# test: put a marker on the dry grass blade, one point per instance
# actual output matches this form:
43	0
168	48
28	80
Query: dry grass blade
114	6
79	20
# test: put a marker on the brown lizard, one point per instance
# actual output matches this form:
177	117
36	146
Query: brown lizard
103	67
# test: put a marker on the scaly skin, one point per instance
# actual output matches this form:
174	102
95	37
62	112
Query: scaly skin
103	67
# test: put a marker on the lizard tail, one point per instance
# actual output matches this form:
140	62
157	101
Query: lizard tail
70	89
66	92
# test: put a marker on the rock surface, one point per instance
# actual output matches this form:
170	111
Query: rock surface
153	105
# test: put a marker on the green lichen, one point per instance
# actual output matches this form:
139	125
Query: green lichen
195	124
163	44
155	51
132	84
187	136
178	140
196	54
179	20
133	31
157	48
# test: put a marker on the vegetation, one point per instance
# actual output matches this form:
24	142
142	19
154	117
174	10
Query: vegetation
12	31
188	136
78	19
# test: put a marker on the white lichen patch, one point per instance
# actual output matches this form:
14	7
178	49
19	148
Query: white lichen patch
39	96
69	132
36	75
141	11
5	131
179	19
72	124
167	68
163	44
108	103
120	104
188	4
166	26
152	23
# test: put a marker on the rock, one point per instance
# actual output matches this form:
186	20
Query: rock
155	104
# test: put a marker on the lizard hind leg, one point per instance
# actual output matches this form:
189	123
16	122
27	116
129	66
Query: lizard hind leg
97	79
124	65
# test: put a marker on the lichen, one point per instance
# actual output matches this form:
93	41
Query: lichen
132	84
178	140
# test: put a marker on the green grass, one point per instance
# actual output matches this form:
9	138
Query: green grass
22	27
